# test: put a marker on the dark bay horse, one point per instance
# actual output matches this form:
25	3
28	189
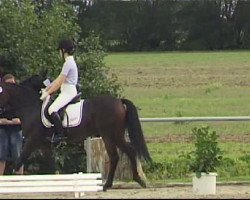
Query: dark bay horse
105	116
47	158
34	82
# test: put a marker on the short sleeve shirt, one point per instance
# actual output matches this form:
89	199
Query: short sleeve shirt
70	70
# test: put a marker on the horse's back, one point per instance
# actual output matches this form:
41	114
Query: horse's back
105	102
106	109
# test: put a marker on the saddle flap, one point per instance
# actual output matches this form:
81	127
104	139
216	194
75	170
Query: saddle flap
71	114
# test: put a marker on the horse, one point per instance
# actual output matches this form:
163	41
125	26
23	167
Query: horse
103	115
35	82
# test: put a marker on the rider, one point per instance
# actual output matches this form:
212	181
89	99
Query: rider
66	82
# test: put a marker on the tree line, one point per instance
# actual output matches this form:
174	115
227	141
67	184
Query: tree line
145	25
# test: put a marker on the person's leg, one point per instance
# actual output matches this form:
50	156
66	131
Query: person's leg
67	94
3	149
16	141
55	118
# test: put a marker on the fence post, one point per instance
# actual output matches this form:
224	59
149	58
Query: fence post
87	144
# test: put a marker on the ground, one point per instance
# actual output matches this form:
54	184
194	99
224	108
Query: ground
169	191
132	191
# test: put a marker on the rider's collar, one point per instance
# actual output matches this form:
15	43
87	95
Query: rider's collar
69	58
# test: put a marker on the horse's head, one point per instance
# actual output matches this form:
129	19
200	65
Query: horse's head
36	82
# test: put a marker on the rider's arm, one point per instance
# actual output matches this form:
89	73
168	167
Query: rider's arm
5	121
56	84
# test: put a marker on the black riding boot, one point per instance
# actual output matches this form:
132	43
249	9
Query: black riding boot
59	133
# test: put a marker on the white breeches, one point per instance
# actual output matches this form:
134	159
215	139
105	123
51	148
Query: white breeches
68	92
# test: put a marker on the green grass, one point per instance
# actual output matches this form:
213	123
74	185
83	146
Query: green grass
226	101
168	164
188	180
175	84
186	84
167	151
179	59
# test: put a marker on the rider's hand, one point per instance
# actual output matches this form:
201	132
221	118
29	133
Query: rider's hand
42	90
44	95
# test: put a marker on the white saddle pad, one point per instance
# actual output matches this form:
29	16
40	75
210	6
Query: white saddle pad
72	117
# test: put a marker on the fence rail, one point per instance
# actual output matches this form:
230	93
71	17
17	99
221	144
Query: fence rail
196	119
170	119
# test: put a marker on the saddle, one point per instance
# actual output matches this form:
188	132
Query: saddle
61	112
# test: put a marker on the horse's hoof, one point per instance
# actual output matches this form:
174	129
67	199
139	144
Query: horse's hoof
140	182
106	186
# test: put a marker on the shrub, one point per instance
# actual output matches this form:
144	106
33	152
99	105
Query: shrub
207	155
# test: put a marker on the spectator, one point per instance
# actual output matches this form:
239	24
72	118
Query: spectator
11	140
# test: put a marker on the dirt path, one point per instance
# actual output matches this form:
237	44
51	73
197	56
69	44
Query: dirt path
128	191
177	192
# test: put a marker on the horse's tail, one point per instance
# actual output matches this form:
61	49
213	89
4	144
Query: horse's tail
135	131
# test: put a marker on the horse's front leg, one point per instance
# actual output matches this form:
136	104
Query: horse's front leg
48	166
28	148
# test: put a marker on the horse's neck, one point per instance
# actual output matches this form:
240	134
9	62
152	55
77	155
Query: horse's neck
28	113
22	97
28	106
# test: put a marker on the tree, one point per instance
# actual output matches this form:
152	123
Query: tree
29	36
94	74
241	24
29	39
128	25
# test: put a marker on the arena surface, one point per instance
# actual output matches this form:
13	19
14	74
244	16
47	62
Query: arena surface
132	191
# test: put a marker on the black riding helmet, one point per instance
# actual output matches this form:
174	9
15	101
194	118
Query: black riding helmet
67	45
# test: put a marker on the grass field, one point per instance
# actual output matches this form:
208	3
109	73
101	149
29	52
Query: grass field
185	84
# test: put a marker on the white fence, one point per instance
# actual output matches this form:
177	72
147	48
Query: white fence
58	183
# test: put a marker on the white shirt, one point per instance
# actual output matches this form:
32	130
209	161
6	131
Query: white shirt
70	70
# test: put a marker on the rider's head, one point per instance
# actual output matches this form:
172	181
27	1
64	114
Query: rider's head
66	46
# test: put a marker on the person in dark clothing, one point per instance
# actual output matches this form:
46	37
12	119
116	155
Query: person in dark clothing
11	139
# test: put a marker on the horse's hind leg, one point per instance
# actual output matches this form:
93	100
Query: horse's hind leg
113	160
131	153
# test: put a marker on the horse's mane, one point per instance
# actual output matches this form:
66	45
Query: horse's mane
35	82
20	87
